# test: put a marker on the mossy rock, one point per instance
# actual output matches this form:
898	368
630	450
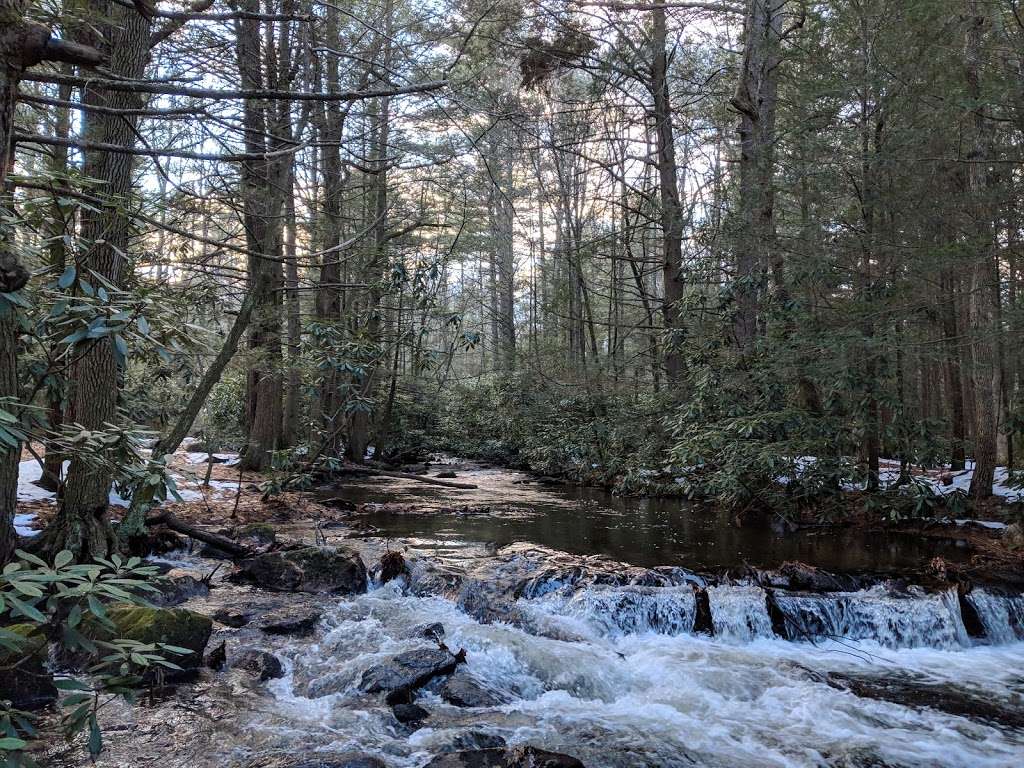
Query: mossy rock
173	626
24	679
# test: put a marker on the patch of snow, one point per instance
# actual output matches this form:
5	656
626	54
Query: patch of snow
29	473
992	524
227	459
24	524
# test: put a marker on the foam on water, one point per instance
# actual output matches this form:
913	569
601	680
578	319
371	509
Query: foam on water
630	696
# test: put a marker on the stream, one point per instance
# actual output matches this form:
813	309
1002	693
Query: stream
598	628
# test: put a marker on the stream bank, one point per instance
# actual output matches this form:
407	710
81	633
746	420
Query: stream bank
572	650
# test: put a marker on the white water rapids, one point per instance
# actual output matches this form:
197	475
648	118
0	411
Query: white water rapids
629	686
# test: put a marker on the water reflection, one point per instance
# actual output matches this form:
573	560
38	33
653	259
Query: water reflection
645	531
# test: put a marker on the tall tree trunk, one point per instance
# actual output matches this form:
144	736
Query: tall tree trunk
263	185
81	523
668	185
755	101
983	298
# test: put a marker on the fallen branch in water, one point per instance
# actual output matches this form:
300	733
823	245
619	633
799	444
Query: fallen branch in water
369	471
223	543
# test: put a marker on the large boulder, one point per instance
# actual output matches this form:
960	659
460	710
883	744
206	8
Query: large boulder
310	569
408	671
516	757
173	626
24	679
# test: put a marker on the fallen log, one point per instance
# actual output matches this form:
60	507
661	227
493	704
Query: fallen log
369	471
223	543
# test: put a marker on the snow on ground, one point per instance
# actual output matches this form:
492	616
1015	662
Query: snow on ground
29	473
227	459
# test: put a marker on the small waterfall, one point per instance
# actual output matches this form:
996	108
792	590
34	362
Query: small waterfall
1002	616
740	612
631	610
911	620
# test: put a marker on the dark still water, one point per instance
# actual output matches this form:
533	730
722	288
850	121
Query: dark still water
642	531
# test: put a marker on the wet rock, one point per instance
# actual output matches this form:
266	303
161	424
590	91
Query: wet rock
475	740
176	587
464	690
408	671
173	626
328	685
263	664
801	576
309	569
433	631
337	502
391	566
943	698
232	618
24	679
289	620
341	760
409	714
517	757
216	658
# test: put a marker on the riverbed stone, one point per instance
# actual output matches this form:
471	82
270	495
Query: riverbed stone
464	690
516	757
434	631
309	569
176	587
341	760
409	714
408	670
289	620
24	679
231	617
260	662
173	626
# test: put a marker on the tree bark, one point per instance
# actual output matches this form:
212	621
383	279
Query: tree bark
81	523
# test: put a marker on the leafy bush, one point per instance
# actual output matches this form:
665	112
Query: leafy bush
53	603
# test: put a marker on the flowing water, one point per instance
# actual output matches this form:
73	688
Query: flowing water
623	664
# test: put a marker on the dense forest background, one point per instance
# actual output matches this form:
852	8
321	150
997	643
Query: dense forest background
698	246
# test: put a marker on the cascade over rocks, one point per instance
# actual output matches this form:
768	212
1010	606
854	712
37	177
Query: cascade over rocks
262	663
463	690
309	569
342	760
517	757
